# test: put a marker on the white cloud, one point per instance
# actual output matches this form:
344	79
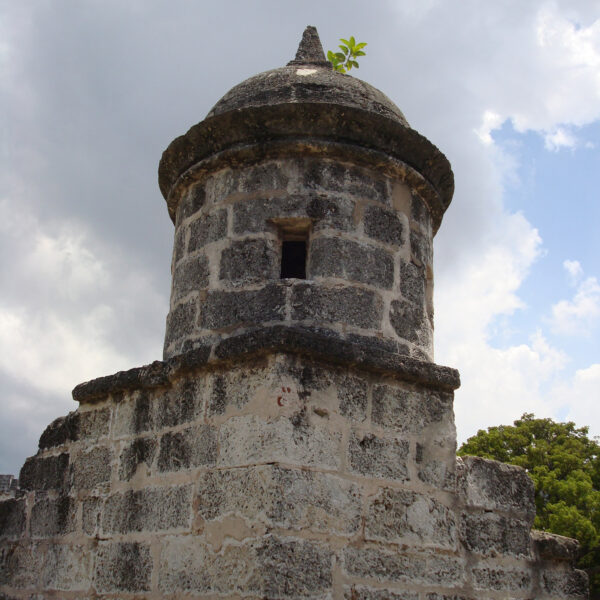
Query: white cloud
579	399
489	122
573	268
580	315
559	138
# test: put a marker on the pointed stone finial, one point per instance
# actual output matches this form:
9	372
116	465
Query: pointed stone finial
310	51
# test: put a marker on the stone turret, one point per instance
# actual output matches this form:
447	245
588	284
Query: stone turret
304	199
297	442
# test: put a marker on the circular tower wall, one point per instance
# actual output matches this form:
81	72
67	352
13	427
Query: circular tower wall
304	199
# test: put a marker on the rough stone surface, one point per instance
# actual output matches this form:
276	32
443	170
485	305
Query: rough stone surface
123	567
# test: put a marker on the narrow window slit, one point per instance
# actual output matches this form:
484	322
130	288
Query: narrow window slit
293	259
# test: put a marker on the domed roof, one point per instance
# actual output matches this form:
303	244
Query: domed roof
308	78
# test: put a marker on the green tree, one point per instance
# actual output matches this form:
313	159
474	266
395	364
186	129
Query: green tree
564	464
346	59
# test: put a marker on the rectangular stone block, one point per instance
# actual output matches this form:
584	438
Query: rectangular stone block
181	404
187	449
350	260
359	592
384	458
253	215
206	229
565	583
412	282
222	184
293	569
348	305
189	566
191	202
409	320
150	509
20	564
383	225
122	567
352	396
190	275
421	250
404	567
250	440
281	497
503	579
66	568
179	320
405	517
248	262
232	389
47	473
412	411
90	515
134	415
139	452
52	517
12	517
92	469
489	484
224	309
490	533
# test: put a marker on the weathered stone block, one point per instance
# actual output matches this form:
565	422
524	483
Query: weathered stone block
52	517
349	305
253	215
61	431
247	262
352	395
379	457
352	261
224	309
206	229
407	319
421	250
179	405
187	449
266	176
404	567
91	513
150	509
282	497
191	202
498	578
489	484
383	225
66	568
12	517
412	282
293	569
140	451
222	184
179	244
92	469
250	440
358	592
409	410
123	567
331	213
565	583
234	388
187	565
134	415
405	517
44	473
20	564
180	321
190	275
550	546
491	534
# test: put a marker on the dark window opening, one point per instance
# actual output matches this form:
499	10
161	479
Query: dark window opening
293	259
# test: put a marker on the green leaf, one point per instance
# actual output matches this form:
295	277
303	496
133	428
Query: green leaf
352	41
360	46
345	41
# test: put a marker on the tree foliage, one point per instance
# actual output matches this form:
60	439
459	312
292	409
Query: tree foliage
346	59
564	464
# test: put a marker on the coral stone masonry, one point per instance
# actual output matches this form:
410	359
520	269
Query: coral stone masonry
297	441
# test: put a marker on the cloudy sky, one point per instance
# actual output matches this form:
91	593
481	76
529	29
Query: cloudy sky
92	92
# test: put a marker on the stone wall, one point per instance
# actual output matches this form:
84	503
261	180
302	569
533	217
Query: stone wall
274	475
369	259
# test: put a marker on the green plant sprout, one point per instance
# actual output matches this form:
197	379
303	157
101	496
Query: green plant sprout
346	59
